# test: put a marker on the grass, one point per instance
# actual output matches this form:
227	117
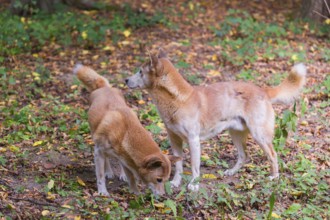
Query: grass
46	160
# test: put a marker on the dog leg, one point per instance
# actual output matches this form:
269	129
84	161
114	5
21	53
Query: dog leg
176	145
131	180
195	158
264	139
99	160
108	170
122	175
239	140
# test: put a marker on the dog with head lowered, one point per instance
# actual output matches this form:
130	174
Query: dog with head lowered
117	132
195	113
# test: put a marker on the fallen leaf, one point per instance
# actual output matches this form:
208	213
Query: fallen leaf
209	176
80	181
45	212
50	184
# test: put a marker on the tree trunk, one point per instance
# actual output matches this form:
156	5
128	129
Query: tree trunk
316	10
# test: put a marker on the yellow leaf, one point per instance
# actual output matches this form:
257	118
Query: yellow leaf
327	21
274	215
2	149
50	196
304	123
37	143
214	73
85	52
23	19
95	57
45	213
186	173
50	184
141	102
296	193
161	125
94	213
103	64
84	35
35	55
127	33
73	87
66	206
294	57
35	74
214	57
205	157
106	48
80	181
77	217
159	205
191	6
13	148
209	176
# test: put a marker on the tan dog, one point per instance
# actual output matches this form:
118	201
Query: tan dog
117	132
195	113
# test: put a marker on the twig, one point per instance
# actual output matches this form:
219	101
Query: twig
34	202
326	4
320	14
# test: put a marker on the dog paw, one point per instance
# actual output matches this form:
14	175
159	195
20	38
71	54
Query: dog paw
272	177
103	193
193	187
229	172
175	183
123	177
109	175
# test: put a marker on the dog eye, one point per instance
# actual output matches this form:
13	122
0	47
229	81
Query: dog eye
140	72
159	180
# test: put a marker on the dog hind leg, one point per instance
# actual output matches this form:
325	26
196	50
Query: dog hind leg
108	169
122	175
239	140
99	160
264	139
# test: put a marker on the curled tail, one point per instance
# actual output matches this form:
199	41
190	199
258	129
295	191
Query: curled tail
90	78
290	88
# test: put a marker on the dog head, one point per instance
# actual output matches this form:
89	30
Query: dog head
151	69
156	170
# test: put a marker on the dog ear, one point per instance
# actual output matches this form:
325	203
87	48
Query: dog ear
161	53
152	162
174	159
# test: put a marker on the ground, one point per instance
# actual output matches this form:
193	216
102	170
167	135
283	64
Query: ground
46	151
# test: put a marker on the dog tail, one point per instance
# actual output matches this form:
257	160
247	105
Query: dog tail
290	87
90	78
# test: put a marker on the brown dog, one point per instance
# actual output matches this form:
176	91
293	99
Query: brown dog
195	113
117	132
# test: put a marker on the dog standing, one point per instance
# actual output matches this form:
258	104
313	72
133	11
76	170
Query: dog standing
195	113
117	132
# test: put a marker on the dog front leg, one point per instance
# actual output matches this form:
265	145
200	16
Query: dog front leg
176	145
195	154
99	160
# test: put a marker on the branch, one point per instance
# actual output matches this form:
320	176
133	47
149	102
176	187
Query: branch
34	202
320	14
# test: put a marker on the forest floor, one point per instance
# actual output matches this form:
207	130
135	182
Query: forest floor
46	151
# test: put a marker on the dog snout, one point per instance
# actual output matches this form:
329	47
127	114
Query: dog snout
126	81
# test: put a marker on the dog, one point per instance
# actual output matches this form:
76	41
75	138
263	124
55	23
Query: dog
117	132
195	113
